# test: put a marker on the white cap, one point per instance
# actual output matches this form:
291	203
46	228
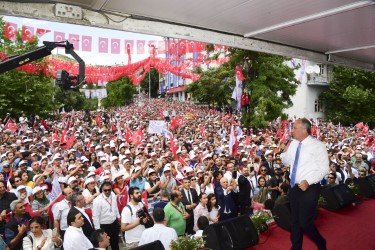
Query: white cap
167	167
56	157
104	177
150	171
126	160
84	159
103	159
37	189
71	179
89	180
127	152
91	169
22	162
61	179
137	161
268	152
152	154
118	174
122	145
107	145
98	147
244	159
72	166
20	187
188	169
136	169
90	174
114	158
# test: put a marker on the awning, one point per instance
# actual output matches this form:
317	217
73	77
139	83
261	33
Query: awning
176	90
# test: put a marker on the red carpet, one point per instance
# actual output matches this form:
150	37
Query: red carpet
348	228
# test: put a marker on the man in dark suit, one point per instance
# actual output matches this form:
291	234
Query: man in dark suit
190	201
244	193
268	163
78	203
225	201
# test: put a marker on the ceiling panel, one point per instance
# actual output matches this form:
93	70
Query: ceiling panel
345	30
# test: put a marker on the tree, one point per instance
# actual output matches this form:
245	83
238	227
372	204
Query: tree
119	93
268	79
20	91
350	97
154	77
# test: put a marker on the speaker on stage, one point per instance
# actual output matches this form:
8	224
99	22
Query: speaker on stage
156	245
367	185
337	196
237	233
282	214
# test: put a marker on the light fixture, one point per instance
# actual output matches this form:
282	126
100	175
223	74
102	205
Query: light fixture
312	17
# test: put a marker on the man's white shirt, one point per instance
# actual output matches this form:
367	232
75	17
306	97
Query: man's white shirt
158	232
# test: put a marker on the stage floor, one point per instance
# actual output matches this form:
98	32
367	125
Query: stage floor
351	228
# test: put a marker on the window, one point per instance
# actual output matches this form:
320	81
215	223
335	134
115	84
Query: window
322	69
318	106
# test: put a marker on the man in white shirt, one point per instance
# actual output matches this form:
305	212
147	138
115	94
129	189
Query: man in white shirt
60	211
308	158
159	231
105	214
131	224
74	237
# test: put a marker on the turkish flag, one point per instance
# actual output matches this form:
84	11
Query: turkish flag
191	47
86	43
173	147
115	46
59	36
137	137
181	47
103	45
172	47
176	122
10	30
128	135
161	47
40	32
140	46
98	121
28	33
151	46
11	125
129	45
74	39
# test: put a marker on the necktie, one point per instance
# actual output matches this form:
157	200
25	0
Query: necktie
189	196
295	165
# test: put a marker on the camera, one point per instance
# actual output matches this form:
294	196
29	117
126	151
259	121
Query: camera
141	214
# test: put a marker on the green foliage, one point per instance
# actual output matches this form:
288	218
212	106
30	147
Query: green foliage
70	99
268	79
119	93
260	220
154	80
187	243
22	92
350	97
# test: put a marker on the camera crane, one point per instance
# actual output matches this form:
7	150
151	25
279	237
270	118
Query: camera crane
63	79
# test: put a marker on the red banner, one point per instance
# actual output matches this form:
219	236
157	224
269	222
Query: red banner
40	32
10	30
27	33
140	46
59	36
11	125
74	39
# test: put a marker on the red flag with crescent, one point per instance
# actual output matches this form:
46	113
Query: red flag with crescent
10	30
11	125
137	137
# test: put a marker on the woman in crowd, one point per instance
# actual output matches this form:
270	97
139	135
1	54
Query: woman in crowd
213	208
90	192
261	194
40	202
39	238
200	209
207	186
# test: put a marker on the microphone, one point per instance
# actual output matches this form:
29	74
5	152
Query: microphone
287	142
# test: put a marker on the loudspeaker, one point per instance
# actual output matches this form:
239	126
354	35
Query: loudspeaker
156	245
237	233
367	185
282	215
337	196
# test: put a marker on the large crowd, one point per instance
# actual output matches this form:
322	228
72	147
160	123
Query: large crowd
80	180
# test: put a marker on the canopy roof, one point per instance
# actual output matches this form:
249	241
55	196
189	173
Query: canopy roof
334	31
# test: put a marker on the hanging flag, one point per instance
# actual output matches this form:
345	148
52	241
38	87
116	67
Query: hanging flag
10	31
40	32
151	47
161	47
140	46
11	125
86	43
176	122
115	46
59	36
237	91
98	121
181	50
129	44
233	143
103	45
28	33
74	39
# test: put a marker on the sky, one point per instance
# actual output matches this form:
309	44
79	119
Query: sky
94	57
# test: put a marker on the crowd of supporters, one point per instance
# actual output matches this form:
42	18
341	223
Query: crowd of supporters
82	179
